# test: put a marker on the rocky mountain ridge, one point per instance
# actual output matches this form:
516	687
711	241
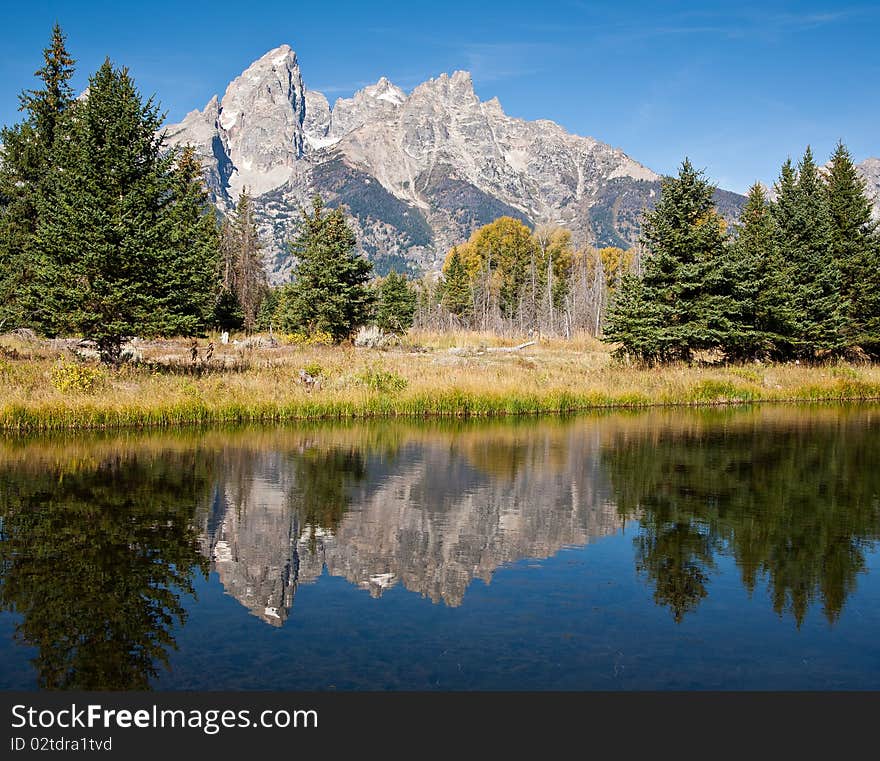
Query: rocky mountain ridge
417	171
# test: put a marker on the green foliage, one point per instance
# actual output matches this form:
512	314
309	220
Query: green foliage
457	294
104	232
804	238
95	558
762	317
266	313
227	311
26	161
314	369
682	301
381	380
329	292
770	497
396	304
100	229
800	280
856	248
186	291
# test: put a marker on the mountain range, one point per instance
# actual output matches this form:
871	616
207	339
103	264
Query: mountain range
417	172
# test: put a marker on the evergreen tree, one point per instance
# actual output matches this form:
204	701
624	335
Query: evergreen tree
761	323
804	238
635	321
25	161
123	236
243	273
856	247
684	297
329	292
188	289
227	311
457	296
396	307
267	311
46	106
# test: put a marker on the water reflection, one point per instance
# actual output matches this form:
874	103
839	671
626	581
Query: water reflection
102	536
95	556
795	501
429	511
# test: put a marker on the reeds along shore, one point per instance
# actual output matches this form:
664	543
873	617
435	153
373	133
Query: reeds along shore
45	385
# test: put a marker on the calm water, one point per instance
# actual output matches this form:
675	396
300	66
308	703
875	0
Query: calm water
732	550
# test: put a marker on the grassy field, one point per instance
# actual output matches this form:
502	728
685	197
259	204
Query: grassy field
45	385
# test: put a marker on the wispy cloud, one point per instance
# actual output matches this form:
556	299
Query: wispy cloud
731	23
494	61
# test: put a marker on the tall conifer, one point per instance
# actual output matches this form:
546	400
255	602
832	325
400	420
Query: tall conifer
683	297
123	240
329	291
761	323
804	238
457	295
26	160
856	247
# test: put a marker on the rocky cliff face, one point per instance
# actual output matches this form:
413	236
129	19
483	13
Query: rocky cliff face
870	171
417	172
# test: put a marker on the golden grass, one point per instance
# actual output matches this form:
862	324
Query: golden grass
446	375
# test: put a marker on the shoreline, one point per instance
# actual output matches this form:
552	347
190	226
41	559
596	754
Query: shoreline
44	388
29	421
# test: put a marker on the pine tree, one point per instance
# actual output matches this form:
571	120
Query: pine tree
457	295
25	161
123	239
99	234
396	304
243	274
760	327
46	106
635	321
684	297
186	294
804	238
856	248
329	292
267	311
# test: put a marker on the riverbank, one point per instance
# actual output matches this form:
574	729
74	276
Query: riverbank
49	385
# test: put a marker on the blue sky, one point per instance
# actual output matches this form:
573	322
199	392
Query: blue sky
737	87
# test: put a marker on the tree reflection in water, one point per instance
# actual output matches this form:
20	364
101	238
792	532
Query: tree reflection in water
796	504
95	557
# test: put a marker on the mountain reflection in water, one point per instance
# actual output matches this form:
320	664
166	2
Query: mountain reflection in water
102	538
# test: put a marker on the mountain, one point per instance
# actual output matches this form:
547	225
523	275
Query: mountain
431	517
870	171
418	171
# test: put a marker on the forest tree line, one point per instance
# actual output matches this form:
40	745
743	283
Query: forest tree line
107	233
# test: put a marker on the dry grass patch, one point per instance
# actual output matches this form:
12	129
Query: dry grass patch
427	375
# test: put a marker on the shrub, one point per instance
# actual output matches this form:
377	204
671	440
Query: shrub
316	338
72	377
383	381
314	369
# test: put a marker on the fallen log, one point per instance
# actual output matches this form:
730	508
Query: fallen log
512	348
